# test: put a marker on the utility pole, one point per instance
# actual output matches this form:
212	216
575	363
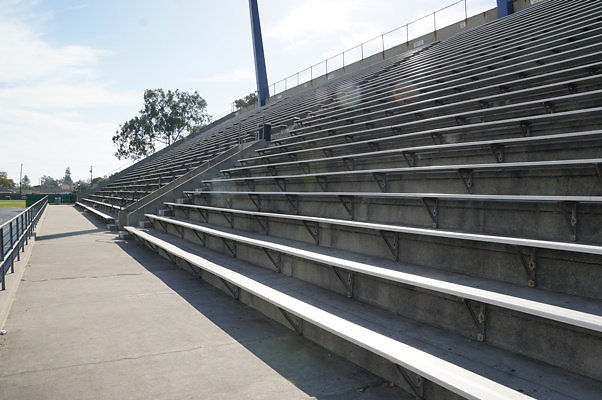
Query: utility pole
91	166
260	73
21	182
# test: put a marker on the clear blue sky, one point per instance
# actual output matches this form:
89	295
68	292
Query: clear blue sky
71	71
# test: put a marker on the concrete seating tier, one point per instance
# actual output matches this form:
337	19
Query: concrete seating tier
435	218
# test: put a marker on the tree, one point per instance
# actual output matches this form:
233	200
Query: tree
25	183
166	117
246	101
49	183
67	178
5	181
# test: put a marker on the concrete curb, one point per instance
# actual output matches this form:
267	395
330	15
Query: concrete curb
13	281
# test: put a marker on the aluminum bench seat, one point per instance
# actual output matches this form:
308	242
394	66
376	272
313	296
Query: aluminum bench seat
321	177
549	71
488	145
485	73
497	112
464	101
484	68
104	216
523	126
415	196
103	204
475	237
446	374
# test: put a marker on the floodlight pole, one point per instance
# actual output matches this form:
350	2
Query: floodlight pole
260	72
504	8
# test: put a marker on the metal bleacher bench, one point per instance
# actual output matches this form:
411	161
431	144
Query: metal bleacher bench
381	174
105	217
455	378
543	310
411	151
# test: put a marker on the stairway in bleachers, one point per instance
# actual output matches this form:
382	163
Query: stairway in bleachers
436	219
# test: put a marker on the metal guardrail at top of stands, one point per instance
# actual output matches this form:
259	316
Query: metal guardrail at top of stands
15	234
401	35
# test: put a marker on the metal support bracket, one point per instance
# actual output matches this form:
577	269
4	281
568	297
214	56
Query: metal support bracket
305	167
202	237
410	158
346	278
295	322
180	230
599	171
162	224
414	381
374	146
381	180
272	170
436	137
529	263
229	217
168	254
250	184
478	316
314	230
281	184
349	203
432	208
256	201
467	179
322	182
349	163
229	202
293	201
231	245
264	223
328	152
549	106
275	258
460	120
392	241
204	215
234	290
569	210
526	128
498	152
572	88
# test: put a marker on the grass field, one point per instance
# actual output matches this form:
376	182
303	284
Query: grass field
12	203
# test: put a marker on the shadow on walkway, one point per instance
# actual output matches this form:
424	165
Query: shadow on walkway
65	234
309	367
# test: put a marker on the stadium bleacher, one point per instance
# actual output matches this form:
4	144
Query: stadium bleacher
435	218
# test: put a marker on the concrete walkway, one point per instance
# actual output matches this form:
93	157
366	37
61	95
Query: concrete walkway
95	317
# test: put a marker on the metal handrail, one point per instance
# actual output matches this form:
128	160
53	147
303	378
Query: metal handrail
283	84
15	234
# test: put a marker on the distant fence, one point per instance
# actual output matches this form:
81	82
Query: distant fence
15	234
65	198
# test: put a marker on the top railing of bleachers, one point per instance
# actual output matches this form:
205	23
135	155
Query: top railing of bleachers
457	12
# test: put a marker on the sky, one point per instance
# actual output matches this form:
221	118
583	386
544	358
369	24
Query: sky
72	71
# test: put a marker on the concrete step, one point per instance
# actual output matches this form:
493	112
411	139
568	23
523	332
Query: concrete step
508	330
498	366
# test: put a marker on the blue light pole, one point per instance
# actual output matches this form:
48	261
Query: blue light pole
262	78
504	8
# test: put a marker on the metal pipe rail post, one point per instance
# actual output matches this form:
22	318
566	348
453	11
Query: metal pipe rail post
15	234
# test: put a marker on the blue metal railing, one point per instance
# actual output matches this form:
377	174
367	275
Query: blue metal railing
15	234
